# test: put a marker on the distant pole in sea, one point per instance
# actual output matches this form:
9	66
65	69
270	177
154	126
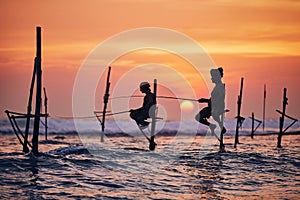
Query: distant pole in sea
281	119
36	127
105	101
239	118
252	129
264	107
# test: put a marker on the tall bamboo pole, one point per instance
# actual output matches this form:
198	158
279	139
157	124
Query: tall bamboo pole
105	99
252	129
239	102
264	107
152	143
35	137
222	146
281	119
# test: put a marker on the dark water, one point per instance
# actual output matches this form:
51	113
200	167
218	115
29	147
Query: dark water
67	170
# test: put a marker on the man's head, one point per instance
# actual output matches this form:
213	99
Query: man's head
216	74
145	87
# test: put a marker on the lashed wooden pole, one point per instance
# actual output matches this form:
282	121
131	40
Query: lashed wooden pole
105	100
252	129
35	137
222	146
239	102
152	143
264	107
281	119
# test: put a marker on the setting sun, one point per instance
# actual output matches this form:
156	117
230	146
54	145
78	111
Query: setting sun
187	106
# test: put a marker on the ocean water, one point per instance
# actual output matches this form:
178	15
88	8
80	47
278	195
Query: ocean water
188	166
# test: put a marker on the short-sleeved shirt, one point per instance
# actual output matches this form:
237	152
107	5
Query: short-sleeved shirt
149	101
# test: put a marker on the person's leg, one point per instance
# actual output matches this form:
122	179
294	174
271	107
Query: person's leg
217	118
134	116
139	118
203	115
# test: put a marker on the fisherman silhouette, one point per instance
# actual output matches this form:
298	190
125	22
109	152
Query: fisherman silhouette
142	113
216	104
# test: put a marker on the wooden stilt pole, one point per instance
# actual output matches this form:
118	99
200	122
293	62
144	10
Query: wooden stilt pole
239	102
252	129
36	77
152	143
35	137
46	112
105	100
222	146
264	107
281	119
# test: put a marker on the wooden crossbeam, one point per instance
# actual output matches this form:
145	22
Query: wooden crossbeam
291	124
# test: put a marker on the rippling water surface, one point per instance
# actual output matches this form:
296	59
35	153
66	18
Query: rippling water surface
124	169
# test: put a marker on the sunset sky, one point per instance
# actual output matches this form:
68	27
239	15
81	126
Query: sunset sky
257	40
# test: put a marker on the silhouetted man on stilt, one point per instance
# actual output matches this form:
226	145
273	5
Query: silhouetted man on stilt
141	114
216	104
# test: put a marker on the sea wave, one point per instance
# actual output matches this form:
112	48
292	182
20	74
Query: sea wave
256	170
127	128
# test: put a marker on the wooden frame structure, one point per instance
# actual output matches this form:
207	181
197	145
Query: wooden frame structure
281	119
12	116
